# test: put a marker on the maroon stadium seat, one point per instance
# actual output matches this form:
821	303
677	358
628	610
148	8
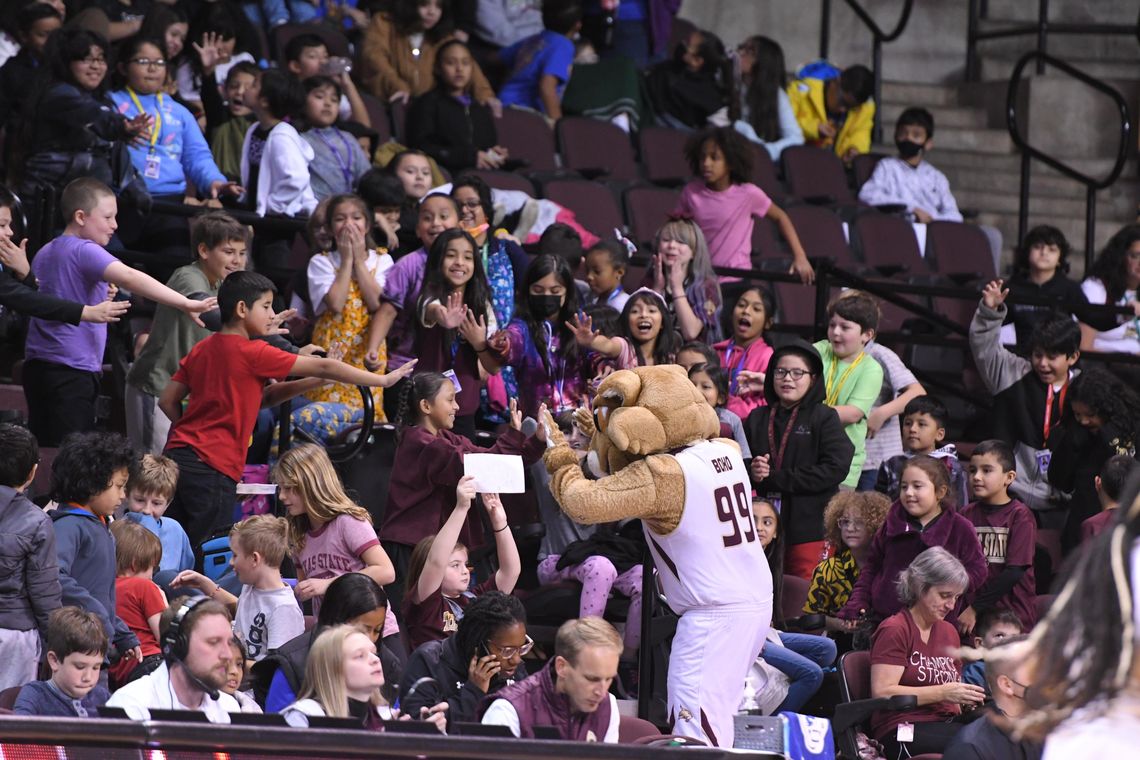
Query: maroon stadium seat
592	203
956	248
888	241
765	176
816	174
378	115
595	147
528	137
863	166
504	180
663	154
646	209
820	231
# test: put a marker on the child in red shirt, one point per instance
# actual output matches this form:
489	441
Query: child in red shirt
138	599
225	377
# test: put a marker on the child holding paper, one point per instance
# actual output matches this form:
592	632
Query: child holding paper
436	592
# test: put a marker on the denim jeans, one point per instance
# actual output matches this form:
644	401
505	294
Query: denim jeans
271	13
802	659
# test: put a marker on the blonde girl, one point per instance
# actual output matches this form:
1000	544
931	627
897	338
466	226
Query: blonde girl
682	271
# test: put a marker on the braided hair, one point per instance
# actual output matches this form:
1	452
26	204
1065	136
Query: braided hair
422	386
486	615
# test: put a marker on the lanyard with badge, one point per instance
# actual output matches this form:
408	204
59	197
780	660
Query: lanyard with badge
1044	456
833	387
777	454
734	369
345	161
151	170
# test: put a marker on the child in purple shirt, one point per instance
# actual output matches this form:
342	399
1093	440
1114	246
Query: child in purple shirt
723	202
64	362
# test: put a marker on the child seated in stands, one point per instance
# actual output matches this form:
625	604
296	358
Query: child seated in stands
835	108
765	114
220	243
438	579
918	520
884	437
228	122
909	180
682	272
414	171
339	161
64	362
646	336
563	241
606	263
852	378
306	55
149	492
924	428
850	521
724	201
1040	268
1109	485
994	626
1008	535
274	159
540	65
235	677
266	613
712	382
138	599
687	91
88	480
448	124
746	350
454	321
385	196
1029	395
76	648
216	31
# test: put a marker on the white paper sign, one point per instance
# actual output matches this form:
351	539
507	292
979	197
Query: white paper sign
495	473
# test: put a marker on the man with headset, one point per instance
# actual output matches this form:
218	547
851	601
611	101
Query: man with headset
196	646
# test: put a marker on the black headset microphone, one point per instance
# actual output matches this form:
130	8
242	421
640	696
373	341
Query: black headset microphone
176	643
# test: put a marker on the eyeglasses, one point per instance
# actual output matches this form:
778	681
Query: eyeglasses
508	652
150	63
471	204
845	523
94	60
795	374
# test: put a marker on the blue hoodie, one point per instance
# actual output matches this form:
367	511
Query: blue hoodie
183	153
87	570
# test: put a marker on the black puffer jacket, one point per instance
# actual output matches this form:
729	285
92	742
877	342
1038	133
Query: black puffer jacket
816	459
29	565
443	662
449	131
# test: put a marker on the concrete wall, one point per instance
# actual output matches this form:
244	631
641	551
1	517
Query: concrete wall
932	49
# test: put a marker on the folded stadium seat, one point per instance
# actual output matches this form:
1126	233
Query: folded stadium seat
334	40
504	180
528	137
596	148
820	231
400	122
960	251
863	167
378	115
634	277
592	203
646	209
663	155
816	176
767	243
766	176
795	304
888	243
793	596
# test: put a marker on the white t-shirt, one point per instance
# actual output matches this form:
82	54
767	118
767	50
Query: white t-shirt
503	713
267	619
1125	337
322	272
155	691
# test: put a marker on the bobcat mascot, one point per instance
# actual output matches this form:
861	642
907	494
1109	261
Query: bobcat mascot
656	452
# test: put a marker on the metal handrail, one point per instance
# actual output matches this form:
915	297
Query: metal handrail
878	37
1042	28
1028	152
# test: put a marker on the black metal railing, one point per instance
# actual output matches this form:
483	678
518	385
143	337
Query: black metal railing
1028	152
878	37
1041	29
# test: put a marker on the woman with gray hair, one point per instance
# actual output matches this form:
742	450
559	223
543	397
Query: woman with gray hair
912	655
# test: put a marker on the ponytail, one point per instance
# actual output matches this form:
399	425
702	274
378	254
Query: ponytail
422	386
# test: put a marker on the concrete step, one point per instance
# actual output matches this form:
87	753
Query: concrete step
994	68
981	141
930	95
1048	185
1098	11
944	116
1109	208
943	157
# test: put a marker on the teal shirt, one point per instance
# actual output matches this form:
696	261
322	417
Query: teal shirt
859	388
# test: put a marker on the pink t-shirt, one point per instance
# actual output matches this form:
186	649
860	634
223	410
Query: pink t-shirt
335	549
726	219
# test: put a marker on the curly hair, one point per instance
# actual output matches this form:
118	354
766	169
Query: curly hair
871	505
1109	398
735	147
85	465
1112	263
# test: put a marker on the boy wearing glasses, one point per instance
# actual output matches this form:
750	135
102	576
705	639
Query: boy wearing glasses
801	452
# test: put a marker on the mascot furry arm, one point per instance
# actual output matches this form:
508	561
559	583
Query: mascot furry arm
641	416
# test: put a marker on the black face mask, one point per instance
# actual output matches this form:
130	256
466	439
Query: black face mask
908	149
544	305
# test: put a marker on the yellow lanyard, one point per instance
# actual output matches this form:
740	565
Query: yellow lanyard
833	387
157	116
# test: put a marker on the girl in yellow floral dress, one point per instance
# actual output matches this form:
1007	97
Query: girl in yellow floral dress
344	288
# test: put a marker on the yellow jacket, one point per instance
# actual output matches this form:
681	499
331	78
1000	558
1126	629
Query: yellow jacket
809	105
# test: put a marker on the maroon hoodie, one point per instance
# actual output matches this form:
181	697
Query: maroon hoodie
894	547
538	703
425	472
